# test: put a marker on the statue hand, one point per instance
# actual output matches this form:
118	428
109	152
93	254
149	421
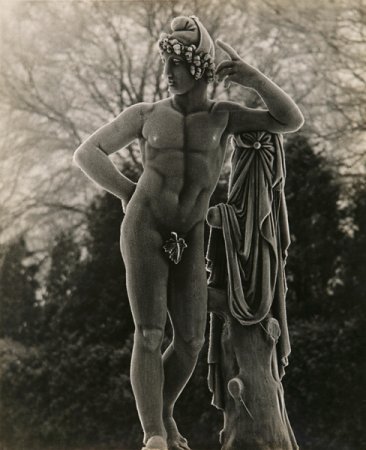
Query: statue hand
214	217
235	69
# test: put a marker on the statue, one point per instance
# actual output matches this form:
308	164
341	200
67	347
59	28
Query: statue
182	140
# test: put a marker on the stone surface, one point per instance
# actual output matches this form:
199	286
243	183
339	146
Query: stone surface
249	343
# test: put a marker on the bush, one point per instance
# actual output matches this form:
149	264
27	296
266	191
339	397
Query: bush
324	383
68	395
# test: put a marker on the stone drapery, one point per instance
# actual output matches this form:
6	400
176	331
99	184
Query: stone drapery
247	257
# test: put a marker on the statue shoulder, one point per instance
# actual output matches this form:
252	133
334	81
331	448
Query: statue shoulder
141	109
159	107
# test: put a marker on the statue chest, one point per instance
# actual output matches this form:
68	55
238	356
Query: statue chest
170	130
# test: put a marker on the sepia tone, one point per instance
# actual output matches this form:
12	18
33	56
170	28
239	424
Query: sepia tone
67	69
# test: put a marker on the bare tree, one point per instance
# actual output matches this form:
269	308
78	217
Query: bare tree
331	47
68	68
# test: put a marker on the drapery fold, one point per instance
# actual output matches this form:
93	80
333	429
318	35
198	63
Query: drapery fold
256	237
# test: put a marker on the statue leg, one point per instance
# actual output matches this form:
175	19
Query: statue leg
147	280
187	306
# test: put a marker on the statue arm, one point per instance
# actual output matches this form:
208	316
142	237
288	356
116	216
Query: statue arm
282	115
93	155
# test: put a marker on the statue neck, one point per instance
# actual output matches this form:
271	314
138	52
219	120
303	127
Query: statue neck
192	101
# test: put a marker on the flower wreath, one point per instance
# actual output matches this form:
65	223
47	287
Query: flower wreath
199	63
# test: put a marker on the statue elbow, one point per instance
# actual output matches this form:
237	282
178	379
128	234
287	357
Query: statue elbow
80	156
298	121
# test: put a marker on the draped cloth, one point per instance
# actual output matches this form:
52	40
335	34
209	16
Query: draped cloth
253	248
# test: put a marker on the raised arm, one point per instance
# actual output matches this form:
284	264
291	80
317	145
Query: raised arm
282	115
92	155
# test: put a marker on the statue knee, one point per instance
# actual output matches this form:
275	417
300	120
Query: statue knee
150	339
190	345
194	345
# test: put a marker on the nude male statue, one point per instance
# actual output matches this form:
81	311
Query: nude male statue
182	140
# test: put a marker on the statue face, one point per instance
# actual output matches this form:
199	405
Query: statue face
177	74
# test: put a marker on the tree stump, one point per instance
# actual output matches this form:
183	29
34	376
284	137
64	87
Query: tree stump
255	416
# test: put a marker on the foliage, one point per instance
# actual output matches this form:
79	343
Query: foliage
325	302
351	291
324	383
18	284
67	394
85	295
74	387
312	199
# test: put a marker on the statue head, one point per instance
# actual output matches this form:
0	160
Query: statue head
188	54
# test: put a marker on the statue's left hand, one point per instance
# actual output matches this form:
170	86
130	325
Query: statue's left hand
235	69
214	217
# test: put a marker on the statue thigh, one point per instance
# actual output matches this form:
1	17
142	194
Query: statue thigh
187	295
147	271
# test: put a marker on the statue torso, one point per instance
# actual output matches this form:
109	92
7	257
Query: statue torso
182	157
